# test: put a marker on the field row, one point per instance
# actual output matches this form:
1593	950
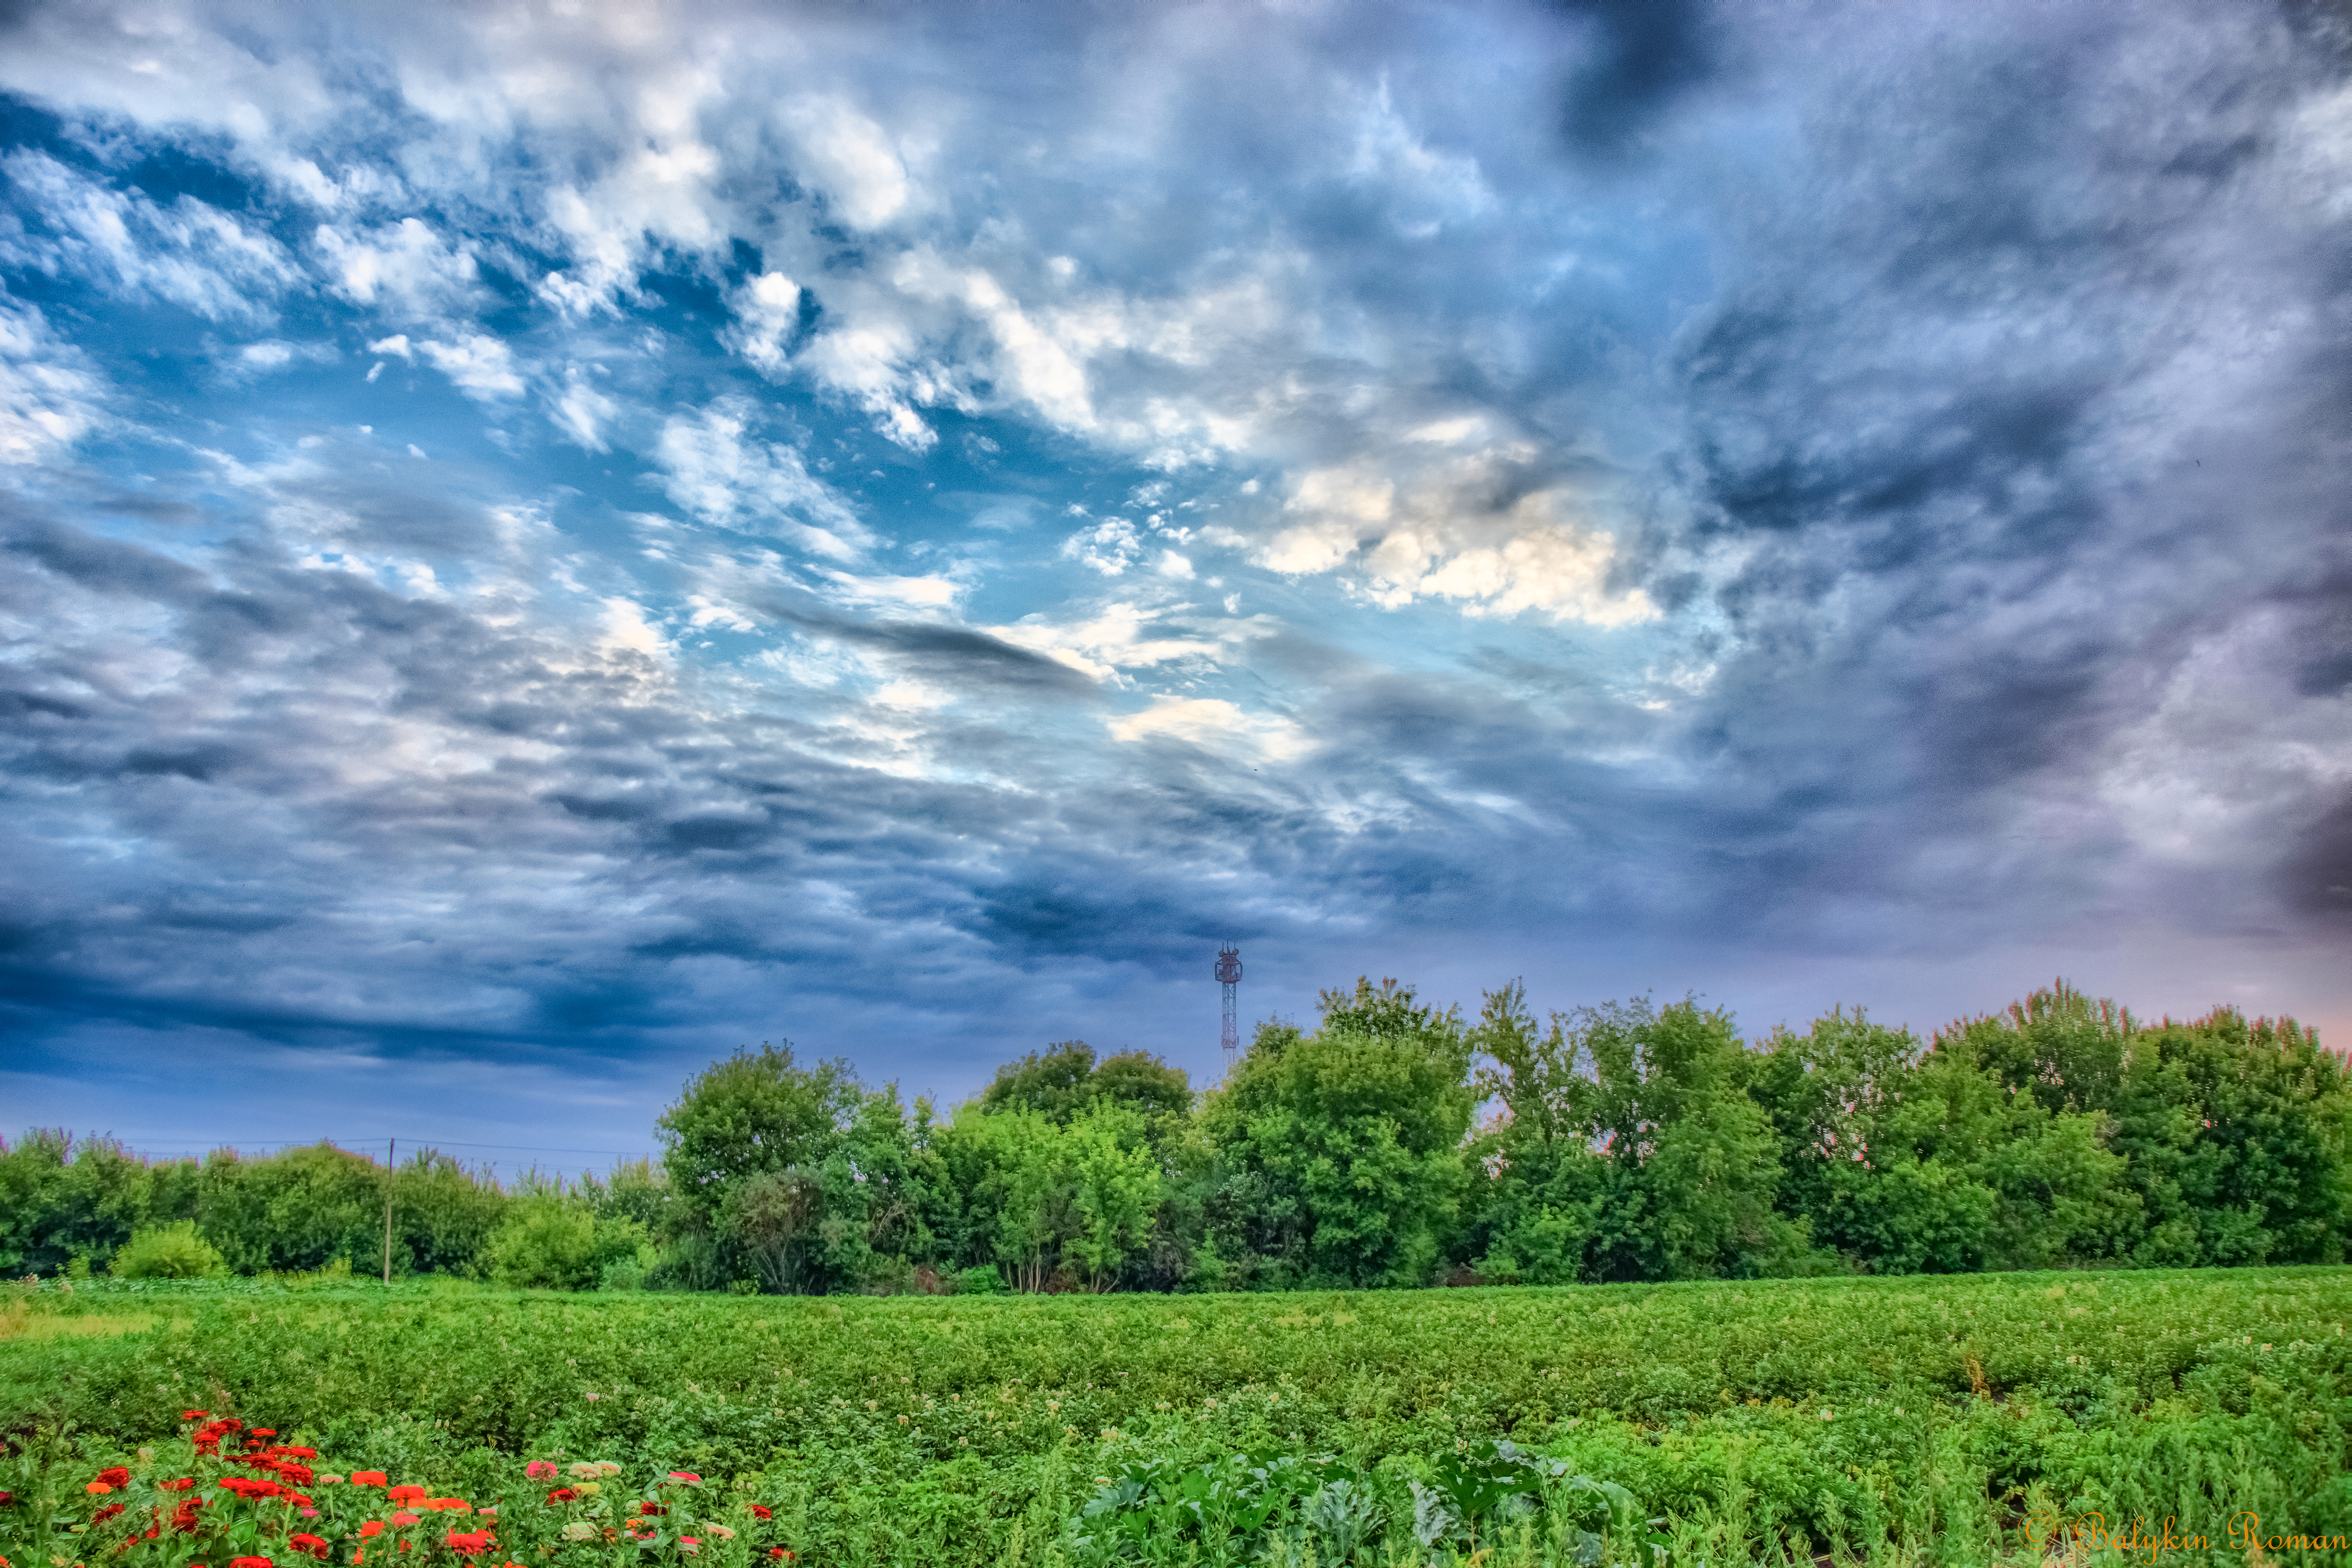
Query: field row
1928	1418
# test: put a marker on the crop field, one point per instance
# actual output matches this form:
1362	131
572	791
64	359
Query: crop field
1921	1419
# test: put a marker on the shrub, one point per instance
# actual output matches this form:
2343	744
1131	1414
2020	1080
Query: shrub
170	1252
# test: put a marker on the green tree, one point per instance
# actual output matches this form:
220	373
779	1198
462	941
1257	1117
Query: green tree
2234	1134
1537	1182
1693	1168
1341	1150
63	1198
833	1205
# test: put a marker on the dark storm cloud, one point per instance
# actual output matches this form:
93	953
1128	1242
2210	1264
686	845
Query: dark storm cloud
955	656
1644	52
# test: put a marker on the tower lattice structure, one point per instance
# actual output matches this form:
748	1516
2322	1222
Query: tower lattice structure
1229	976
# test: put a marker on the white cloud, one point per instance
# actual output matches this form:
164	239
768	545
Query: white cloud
723	476
189	252
850	158
402	267
481	366
275	354
1213	724
1129	636
1110	546
48	395
1484	527
581	412
930	593
767	313
626	630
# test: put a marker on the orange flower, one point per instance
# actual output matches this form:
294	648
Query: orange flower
447	1505
406	1494
367	1478
403	1517
370	1530
98	1488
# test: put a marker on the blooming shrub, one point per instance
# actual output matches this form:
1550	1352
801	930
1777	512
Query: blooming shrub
225	1496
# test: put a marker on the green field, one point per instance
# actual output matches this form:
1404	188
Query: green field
1919	1419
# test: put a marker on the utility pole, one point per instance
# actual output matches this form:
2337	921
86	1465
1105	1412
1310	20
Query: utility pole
391	1170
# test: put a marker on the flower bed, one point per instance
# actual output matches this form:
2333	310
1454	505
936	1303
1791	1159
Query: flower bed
227	1496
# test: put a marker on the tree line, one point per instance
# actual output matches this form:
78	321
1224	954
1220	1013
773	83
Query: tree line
1395	1143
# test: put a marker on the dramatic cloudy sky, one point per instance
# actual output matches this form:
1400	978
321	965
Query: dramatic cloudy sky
540	540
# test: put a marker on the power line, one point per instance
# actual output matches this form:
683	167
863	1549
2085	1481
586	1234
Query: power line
422	1142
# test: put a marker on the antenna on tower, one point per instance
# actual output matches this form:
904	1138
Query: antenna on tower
1229	976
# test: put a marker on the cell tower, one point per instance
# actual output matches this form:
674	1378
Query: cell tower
1229	976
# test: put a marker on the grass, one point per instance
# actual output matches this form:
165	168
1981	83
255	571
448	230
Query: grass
1921	1419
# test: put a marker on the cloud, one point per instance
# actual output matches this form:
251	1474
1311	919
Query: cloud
481	366
1675	491
721	476
1488	528
187	252
50	397
849	157
405	270
1213	724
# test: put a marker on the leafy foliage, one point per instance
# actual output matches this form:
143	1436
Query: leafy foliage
1926	1419
1625	1142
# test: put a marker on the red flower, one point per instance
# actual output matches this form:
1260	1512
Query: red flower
367	1478
263	1432
184	1484
759	1513
647	1510
109	1511
562	1494
248	1563
247	1488
468	1545
310	1543
195	1415
405	1494
116	1477
403	1517
297	1453
300	1474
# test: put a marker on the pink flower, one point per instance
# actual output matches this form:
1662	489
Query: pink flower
538	1469
595	1397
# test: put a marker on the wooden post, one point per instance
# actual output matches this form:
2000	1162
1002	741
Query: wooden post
391	1172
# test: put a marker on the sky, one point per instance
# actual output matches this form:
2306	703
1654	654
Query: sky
542	543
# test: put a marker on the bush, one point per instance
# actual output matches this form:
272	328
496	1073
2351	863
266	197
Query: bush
546	1244
982	1280
170	1252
